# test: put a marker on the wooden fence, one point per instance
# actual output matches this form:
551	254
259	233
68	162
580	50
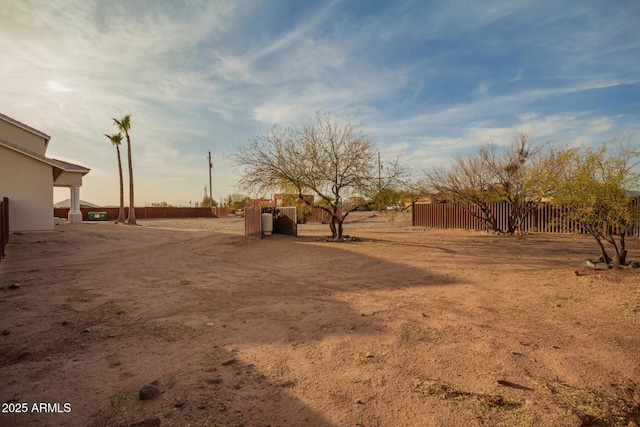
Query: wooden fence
4	226
150	212
285	221
545	218
253	221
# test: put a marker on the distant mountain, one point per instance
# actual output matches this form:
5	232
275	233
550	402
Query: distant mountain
67	204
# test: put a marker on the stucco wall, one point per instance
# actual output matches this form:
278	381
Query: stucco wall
23	138
28	184
68	178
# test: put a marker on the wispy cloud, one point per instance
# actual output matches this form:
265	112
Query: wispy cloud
518	77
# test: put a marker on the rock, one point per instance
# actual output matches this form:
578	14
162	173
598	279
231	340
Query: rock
634	264
179	403
590	264
149	392
85	330
360	401
15	286
229	361
602	266
6	332
501	380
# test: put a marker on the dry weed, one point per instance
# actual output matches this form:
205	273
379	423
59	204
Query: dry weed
595	407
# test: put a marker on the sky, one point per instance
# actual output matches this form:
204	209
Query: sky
428	80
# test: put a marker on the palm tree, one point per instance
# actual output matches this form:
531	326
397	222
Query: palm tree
124	124
116	140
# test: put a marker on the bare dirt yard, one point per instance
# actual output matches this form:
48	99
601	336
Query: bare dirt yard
403	327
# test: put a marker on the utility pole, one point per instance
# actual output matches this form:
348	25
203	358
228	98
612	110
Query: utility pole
379	174
210	189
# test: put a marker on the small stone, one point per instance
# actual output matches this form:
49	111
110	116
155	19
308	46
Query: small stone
169	413
64	323
229	361
501	380
6	332
590	264
15	286
179	404
602	266
149	392
85	330
359	401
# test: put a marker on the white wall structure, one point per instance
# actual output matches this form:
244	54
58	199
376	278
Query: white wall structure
27	177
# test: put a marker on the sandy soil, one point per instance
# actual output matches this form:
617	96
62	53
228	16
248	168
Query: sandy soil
404	327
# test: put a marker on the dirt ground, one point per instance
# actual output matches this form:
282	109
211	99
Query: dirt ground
403	327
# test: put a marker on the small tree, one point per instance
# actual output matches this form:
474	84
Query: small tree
235	201
207	202
328	157
592	185
493	175
161	205
116	140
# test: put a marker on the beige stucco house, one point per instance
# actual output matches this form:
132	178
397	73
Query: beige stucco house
27	177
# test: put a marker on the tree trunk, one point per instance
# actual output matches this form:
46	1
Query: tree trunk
620	256
332	226
605	257
132	210
121	218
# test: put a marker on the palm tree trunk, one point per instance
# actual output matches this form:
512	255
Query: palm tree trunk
121	218
132	210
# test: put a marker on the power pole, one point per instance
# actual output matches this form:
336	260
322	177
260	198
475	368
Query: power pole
210	188
379	174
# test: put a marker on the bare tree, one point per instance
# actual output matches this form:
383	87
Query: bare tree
328	157
493	175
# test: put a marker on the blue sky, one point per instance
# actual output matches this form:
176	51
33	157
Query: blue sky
426	79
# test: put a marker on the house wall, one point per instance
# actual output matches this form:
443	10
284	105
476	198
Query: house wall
17	135
28	184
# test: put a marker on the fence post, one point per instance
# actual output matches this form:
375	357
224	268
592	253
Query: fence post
4	225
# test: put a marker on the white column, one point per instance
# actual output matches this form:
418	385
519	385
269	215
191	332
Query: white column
75	215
